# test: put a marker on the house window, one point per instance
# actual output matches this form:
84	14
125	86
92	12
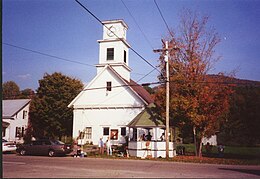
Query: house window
124	56
114	134
110	53
17	132
106	131
3	131
109	85
22	133
24	114
123	131
88	132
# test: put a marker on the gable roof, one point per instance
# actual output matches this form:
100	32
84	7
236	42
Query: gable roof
148	118
11	107
140	91
137	89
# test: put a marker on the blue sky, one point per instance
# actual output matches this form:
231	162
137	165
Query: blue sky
64	29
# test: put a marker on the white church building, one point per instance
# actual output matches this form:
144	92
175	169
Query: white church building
111	100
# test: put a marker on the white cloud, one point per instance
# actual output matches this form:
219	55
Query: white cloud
24	77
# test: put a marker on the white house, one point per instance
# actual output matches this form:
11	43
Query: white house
111	100
15	119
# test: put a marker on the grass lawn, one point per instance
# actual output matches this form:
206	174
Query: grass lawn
232	155
229	152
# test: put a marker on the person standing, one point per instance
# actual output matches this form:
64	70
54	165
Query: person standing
148	136
108	146
221	150
162	137
101	146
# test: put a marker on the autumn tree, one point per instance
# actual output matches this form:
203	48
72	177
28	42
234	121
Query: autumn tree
196	99
49	114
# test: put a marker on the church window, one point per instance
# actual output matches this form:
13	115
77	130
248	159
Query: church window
110	53
123	131
109	86
88	132
106	131
124	56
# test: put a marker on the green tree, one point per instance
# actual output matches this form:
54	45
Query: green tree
26	93
196	99
243	126
10	90
49	114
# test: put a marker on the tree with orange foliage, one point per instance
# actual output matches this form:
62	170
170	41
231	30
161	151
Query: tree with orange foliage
196	98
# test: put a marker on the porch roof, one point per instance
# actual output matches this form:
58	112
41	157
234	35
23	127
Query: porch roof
148	118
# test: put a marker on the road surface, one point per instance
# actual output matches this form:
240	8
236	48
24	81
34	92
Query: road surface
68	167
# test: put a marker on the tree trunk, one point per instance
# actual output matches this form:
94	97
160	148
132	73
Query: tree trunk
195	141
200	147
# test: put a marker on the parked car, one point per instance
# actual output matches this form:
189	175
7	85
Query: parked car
44	147
8	146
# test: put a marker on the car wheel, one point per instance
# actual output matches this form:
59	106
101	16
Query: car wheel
51	153
22	152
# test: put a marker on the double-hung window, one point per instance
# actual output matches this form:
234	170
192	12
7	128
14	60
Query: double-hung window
110	53
109	86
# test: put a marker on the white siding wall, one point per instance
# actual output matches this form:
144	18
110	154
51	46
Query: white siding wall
119	96
17	122
119	48
100	118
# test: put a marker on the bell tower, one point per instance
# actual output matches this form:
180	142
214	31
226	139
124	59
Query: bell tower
114	49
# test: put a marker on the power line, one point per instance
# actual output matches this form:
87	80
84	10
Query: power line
52	56
137	24
245	84
163	18
45	54
146	75
176	81
119	86
116	35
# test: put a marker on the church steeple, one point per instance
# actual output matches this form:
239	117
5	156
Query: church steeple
114	49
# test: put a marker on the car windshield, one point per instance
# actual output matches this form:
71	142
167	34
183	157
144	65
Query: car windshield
57	142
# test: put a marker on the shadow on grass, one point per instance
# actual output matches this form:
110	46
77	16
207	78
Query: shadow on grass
254	172
230	156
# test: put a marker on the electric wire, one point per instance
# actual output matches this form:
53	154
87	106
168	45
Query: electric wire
138	54
137	24
48	55
52	56
163	18
244	84
145	75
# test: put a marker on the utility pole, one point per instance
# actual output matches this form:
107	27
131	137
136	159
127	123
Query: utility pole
166	59
167	100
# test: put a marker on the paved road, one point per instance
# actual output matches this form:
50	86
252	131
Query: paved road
68	167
